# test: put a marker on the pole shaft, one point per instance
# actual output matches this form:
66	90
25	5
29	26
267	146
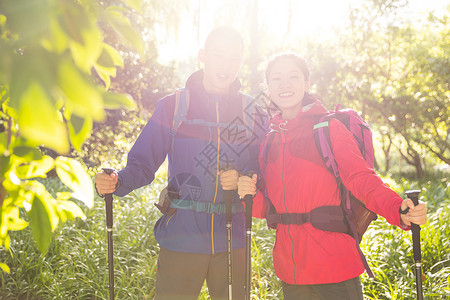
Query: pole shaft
415	230
419	282
228	218
248	199
110	265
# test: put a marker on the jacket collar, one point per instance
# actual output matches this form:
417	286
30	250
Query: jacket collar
311	107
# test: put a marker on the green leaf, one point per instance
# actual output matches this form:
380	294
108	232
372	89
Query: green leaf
72	19
105	59
69	210
136	4
36	168
57	41
113	54
40	223
106	64
85	44
83	98
124	30
79	130
7	242
115	101
39	120
10	217
75	177
3	142
29	26
105	74
5	268
86	55
29	153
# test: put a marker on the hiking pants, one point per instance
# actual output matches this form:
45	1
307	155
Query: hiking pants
180	275
346	290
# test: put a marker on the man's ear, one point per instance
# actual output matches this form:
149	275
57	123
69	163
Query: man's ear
201	55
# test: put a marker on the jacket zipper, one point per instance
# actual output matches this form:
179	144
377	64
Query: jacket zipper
283	140
217	176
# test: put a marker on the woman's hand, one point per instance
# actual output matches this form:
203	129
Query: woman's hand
416	214
247	185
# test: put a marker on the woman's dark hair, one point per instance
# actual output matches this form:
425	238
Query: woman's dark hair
296	59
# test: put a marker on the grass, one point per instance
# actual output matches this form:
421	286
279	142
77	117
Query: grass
75	266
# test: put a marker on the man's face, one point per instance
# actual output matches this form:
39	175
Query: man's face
222	60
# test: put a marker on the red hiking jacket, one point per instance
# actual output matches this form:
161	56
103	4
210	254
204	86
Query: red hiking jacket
297	181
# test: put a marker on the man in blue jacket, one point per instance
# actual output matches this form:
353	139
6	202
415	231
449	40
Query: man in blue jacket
211	132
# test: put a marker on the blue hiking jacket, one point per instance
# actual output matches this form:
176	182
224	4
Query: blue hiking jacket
213	141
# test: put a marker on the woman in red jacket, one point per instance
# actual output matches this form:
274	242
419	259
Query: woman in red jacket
312	263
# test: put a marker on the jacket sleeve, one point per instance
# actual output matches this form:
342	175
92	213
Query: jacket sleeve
259	206
360	178
148	152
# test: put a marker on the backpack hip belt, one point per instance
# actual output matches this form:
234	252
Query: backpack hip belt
206	207
326	218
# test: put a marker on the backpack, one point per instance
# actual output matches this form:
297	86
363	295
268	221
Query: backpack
357	215
353	217
168	201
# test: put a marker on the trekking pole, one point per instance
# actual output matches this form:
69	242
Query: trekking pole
415	229
248	200
228	197
109	224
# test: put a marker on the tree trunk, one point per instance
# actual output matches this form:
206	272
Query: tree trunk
418	166
386	147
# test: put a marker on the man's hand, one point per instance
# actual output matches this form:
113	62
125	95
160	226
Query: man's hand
106	184
229	179
416	214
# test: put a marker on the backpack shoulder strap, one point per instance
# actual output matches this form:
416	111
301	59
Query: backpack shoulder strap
321	132
179	113
180	110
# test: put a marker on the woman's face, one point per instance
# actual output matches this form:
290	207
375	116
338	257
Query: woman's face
287	86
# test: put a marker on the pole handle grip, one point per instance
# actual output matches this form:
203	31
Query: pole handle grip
248	200
413	195
415	229
108	201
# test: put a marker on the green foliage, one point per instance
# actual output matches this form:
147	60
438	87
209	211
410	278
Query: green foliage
75	265
390	255
48	97
395	73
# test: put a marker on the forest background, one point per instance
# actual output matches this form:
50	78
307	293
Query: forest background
80	78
